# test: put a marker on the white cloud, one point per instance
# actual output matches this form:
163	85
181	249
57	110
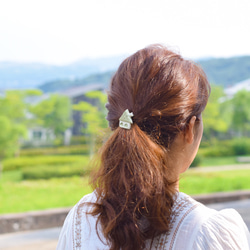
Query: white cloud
63	31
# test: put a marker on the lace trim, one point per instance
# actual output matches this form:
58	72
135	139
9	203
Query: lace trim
179	224
77	236
180	205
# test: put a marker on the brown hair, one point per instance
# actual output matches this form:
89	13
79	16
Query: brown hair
134	189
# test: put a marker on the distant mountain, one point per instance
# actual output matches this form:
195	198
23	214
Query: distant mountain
60	85
227	71
30	75
221	71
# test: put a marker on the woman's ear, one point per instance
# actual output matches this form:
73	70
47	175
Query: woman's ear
190	130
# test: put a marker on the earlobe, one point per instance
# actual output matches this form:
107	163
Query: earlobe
189	133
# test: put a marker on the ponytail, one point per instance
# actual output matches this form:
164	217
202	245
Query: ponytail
135	195
134	184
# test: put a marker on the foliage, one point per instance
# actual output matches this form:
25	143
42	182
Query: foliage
64	150
100	96
240	146
48	172
218	150
93	116
225	117
77	140
197	161
213	119
13	120
53	113
22	162
241	111
234	147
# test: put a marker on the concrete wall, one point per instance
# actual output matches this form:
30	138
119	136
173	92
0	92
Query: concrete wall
32	220
55	217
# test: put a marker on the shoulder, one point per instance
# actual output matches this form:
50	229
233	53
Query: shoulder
79	228
195	226
222	230
213	229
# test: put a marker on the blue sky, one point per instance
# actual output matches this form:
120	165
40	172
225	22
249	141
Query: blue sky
63	31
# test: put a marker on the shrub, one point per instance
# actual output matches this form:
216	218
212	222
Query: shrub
76	140
241	146
22	162
197	161
65	150
48	172
234	147
216	151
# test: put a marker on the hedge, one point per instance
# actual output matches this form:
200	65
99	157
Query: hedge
234	147
197	161
241	146
65	150
22	162
76	140
48	172
216	151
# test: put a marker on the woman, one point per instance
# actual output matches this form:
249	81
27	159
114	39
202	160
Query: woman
154	107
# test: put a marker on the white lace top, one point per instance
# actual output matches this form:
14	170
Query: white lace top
193	227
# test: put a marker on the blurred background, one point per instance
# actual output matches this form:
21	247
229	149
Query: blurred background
56	61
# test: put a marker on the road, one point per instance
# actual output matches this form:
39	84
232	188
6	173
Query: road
31	240
47	239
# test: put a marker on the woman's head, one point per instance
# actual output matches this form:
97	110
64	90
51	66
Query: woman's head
161	89
134	184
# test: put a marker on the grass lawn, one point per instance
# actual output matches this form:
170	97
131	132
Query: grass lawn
219	161
17	195
210	182
20	196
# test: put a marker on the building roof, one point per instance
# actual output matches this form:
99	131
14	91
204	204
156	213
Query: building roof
81	90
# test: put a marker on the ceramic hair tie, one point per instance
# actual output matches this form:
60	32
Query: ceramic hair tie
125	120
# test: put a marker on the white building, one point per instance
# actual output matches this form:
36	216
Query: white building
231	91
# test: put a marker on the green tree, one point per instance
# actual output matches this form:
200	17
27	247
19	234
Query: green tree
215	119
241	112
13	120
53	113
93	116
